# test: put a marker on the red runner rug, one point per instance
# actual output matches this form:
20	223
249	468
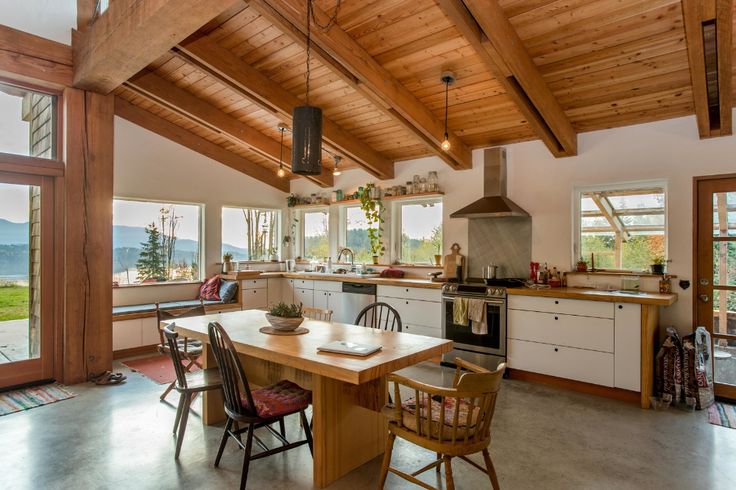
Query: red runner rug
158	368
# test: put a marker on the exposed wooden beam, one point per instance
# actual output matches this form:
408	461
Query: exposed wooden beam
465	23
373	80
489	31
85	13
34	59
227	68
179	135
185	103
608	212
708	27
131	34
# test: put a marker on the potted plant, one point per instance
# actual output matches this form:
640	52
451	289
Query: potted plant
436	240
373	210
582	265
292	200
285	317
658	263
227	262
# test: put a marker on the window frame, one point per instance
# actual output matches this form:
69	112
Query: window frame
301	239
396	225
278	229
200	240
578	191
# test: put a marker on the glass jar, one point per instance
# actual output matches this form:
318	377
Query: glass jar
423	185
433	182
409	187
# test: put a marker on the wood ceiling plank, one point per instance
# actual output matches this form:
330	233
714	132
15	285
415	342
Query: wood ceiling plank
725	30
516	71
190	106
373	80
229	70
171	131
130	34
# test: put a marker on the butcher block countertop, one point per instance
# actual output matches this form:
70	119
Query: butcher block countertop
384	281
656	299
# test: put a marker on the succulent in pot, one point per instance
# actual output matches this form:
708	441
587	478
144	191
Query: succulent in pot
658	264
581	266
227	262
285	317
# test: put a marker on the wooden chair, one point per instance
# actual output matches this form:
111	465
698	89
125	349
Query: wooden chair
452	422
317	314
381	316
253	409
187	384
190	350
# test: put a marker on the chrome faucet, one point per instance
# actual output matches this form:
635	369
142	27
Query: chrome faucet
346	251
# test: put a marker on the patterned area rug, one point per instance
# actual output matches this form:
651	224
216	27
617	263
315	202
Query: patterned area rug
27	398
158	368
722	414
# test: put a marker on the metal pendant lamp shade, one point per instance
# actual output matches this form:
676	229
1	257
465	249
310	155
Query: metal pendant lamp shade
306	152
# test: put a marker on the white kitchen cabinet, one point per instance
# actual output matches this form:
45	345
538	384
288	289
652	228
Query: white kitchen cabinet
321	300
275	290
417	316
254	283
331	300
569	330
304	296
255	299
405	292
627	346
288	291
128	334
599	309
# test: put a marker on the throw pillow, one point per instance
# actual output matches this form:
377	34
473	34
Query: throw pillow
210	289
228	290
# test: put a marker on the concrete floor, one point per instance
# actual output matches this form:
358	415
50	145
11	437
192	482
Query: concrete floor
120	437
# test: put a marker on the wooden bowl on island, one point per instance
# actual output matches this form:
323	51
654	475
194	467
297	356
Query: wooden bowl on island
285	324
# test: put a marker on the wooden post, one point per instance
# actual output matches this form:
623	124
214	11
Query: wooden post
87	290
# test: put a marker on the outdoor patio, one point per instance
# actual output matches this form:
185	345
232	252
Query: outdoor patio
725	367
13	340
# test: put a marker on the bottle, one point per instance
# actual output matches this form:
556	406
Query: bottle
329	265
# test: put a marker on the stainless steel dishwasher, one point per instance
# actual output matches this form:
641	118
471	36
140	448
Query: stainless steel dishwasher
354	297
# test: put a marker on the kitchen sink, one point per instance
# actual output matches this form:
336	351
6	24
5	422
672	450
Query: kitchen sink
617	291
335	274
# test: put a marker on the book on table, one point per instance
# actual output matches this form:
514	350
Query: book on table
350	348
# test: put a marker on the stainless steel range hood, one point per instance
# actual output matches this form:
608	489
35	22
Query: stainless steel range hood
494	203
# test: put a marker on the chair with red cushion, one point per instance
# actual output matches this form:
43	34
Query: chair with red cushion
257	408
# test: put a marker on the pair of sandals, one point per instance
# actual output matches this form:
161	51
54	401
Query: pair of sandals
108	378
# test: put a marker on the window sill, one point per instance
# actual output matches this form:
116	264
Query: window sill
618	273
156	284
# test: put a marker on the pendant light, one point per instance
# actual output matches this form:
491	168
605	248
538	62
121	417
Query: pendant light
281	172
447	78
306	151
336	171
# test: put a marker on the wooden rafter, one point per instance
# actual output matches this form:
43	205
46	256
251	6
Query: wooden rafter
608	212
34	59
179	135
131	34
708	27
344	54
228	69
163	92
519	77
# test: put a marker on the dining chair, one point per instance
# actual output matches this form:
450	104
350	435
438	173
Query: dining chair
187	384
190	350
381	316
317	314
452	422
253	409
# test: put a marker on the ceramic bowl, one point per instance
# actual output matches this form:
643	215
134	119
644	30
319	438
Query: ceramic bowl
285	324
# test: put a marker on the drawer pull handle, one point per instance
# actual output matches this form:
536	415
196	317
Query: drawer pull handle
620	307
407	302
556	318
556	350
557	302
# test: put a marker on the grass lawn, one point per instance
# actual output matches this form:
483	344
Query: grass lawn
13	302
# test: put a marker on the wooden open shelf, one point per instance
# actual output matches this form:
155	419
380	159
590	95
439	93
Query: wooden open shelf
357	201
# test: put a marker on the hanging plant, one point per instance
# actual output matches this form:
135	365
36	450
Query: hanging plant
372	207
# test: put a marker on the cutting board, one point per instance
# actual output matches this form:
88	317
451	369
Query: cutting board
449	271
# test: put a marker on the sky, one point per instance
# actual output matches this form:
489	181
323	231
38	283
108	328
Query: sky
14	205
142	213
13	130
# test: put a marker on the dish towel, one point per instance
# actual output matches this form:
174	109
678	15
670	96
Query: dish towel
460	311
477	316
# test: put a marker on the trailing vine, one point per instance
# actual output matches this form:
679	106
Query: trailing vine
373	210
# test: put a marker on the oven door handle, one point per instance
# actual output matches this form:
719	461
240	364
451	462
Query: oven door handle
499	302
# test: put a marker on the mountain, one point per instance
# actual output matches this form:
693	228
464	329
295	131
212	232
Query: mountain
13	233
133	236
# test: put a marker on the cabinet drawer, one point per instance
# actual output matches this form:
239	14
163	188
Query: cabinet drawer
564	362
435	332
598	309
334	286
302	283
422	294
425	313
569	330
255	298
304	296
254	283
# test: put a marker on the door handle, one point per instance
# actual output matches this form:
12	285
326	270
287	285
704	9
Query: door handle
704	298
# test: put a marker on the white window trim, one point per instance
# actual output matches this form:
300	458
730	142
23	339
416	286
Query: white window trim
640	184
395	225
300	239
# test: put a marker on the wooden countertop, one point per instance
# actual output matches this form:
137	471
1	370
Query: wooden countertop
385	281
399	350
656	299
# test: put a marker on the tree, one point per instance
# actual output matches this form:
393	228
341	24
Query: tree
436	239
150	260
169	225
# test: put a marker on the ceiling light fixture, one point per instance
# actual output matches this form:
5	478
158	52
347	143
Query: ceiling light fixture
306	153
281	172
447	78
336	171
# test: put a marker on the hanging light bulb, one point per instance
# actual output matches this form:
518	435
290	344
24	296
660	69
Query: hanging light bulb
281	172
447	78
336	171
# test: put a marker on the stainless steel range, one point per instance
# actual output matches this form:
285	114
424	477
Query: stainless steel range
488	350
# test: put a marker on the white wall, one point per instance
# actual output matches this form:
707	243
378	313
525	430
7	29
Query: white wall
52	19
149	166
543	185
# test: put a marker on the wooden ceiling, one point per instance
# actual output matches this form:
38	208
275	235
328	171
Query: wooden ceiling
579	65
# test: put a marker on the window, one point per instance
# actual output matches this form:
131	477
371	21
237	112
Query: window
28	126
250	233
315	241
623	228
356	234
155	242
418	230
